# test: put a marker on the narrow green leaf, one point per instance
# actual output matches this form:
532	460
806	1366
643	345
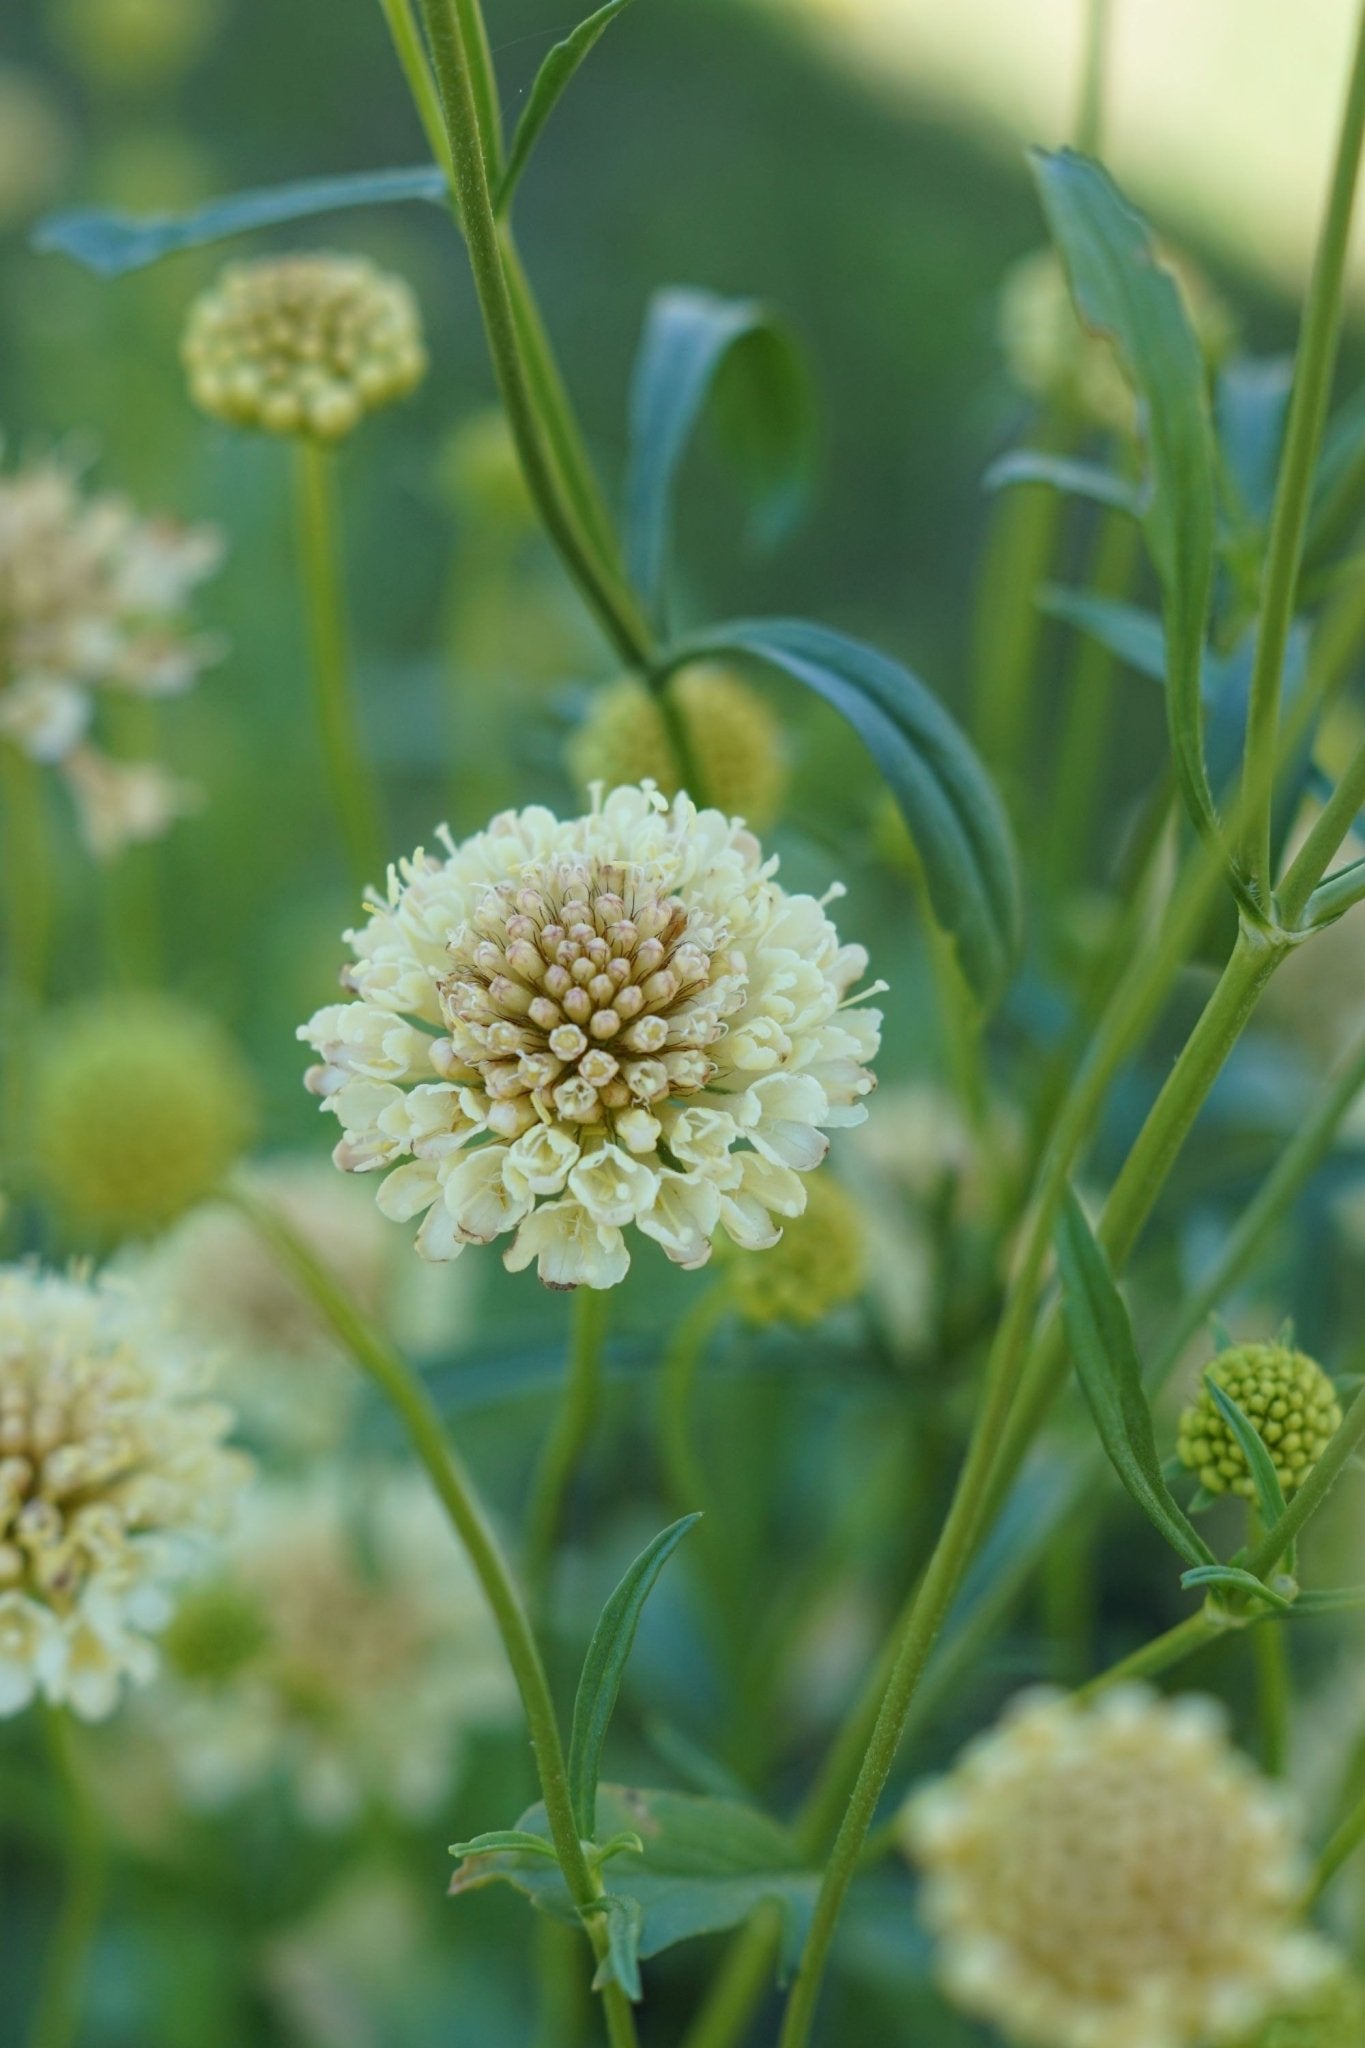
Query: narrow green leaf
621	1963
1134	635
1338	502
1331	1600
550	81
1266	1480
1122	291
627	1843
1227	1575
1107	1365
501	1840
111	243
698	348
1063	473
949	802
604	1667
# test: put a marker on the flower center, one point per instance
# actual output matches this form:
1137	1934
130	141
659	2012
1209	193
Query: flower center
580	991
53	1515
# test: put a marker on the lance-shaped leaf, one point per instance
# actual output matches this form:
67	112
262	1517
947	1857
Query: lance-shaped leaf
1266	1480
1231	1578
1063	473
1122	291
1135	636
705	1866
550	81
604	1666
947	799
736	355
1106	1358
111	243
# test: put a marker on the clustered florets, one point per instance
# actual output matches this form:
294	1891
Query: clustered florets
109	1463
622	1013
1287	1398
303	344
1114	1876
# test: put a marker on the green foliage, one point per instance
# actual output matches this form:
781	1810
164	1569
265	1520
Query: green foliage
550	81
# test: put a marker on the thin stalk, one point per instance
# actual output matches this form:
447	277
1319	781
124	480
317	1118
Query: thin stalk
1274	1697
1094	66
61	1993
687	1484
1340	1848
1078	783
737	1989
564	1447
1022	539
601	585
1314	366
456	1491
1266	1554
1194	1633
27	862
1329	829
343	750
412	56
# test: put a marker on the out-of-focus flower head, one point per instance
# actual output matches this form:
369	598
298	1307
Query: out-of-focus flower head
1290	1403
818	1265
478	465
125	803
94	597
303	344
110	1466
347	1648
734	738
141	1104
1114	1876
35	146
562	1028
134	44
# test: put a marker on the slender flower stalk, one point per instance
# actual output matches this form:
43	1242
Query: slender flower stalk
1078	786
1315	364
61	1994
1342	1845
579	1407
343	749
456	1491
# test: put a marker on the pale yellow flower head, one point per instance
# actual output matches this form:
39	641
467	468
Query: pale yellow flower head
303	344
818	1265
346	1646
1289	1401
141	1104
111	1465
735	739
1113	1876
563	1028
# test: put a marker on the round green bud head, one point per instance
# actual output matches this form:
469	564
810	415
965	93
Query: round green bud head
1331	2017
734	738
141	1104
215	1631
134	45
303	345
1287	1398
818	1263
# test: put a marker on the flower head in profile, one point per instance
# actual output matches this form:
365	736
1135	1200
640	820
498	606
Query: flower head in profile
303	344
111	1464
563	1029
1114	1876
346	1646
1288	1400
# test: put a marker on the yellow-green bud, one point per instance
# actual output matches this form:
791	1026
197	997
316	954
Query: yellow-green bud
1331	2017
735	739
1287	1398
216	1629
818	1263
303	345
479	467
137	44
141	1104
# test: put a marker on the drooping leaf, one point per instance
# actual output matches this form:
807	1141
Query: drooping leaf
621	1963
706	1865
1107	1365
1266	1480
735	354
1063	473
1122	291
112	243
1136	636
949	803
1233	1579
550	81
604	1666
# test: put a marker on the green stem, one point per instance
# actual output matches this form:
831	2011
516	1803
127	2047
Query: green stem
455	1489
1090	111
1329	829
27	875
131	877
687	1484
599	581
1079	781
1194	1633
572	1428
1313	370
1341	1847
1274	1697
65	1967
343	750
1267	1553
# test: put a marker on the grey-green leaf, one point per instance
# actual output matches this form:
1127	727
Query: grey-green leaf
604	1666
1122	291
1134	635
501	1840
738	356
550	81
1107	1365
111	243
1063	473
621	1963
1269	1493
949	802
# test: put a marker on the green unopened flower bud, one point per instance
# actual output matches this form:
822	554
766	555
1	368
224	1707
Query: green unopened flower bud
303	345
141	1104
1288	1399
818	1263
735	740
479	467
138	44
216	1630
1331	2017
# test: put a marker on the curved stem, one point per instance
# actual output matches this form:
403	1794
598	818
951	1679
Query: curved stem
1313	370
565	1445
1194	1633
455	1489
61	1993
343	750
1341	1847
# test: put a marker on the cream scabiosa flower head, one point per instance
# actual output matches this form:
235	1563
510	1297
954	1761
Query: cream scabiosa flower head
109	1465
1113	1876
564	1028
